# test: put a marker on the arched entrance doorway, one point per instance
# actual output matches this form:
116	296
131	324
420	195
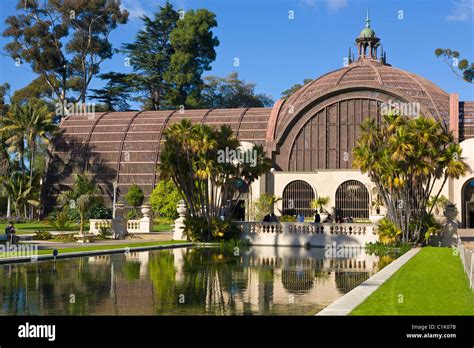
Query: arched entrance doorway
468	204
297	197
352	199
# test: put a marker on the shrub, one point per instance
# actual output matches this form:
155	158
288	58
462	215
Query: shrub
287	218
71	213
388	231
105	232
135	196
320	203
198	230
42	235
100	211
60	220
164	199
263	206
133	214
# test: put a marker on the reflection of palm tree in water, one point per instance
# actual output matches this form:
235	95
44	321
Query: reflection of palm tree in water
348	280
213	278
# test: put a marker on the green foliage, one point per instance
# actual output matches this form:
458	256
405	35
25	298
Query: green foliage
194	50
164	199
198	229
115	94
192	158
263	206
437	205
133	214
82	196
230	92
388	232
135	196
430	225
169	56
105	232
99	211
286	93
463	67
64	41
381	249
287	218
405	157
320	203
150	56
61	219
42	235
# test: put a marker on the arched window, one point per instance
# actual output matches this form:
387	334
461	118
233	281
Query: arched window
297	197
352	199
468	204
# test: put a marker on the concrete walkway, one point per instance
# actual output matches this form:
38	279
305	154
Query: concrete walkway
467	237
345	304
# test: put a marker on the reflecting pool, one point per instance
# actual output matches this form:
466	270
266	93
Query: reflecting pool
187	281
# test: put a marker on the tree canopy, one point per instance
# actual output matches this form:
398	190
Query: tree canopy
64	41
231	92
405	158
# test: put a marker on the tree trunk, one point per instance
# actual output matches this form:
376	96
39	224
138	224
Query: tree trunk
9	207
81	225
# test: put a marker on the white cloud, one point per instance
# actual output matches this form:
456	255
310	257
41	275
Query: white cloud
463	10
332	5
335	5
134	8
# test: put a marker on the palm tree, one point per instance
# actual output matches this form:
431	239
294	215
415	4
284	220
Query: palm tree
18	188
320	203
27	126
23	128
405	158
82	196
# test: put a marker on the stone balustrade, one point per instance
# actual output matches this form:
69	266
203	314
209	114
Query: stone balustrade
132	226
305	233
96	224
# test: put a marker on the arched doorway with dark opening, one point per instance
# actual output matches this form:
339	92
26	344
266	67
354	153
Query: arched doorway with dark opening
352	200
297	197
467	196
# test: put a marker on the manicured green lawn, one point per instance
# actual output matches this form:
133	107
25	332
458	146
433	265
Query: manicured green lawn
28	227
32	227
162	228
101	247
433	282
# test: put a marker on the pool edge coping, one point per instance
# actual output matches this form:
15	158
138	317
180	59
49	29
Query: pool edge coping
27	259
347	303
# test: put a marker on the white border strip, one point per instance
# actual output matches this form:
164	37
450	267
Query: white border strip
347	303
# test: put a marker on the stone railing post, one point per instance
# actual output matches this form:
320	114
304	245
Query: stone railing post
178	229
119	228
146	222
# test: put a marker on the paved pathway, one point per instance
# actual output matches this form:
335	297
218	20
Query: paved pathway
345	304
467	237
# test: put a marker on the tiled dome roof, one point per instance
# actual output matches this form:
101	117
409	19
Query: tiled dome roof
372	74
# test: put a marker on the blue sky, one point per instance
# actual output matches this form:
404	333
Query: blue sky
275	51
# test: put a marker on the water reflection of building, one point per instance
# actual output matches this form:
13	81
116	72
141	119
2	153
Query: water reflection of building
292	277
264	280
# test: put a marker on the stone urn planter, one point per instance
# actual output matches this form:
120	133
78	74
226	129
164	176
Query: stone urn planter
146	210
450	212
375	218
